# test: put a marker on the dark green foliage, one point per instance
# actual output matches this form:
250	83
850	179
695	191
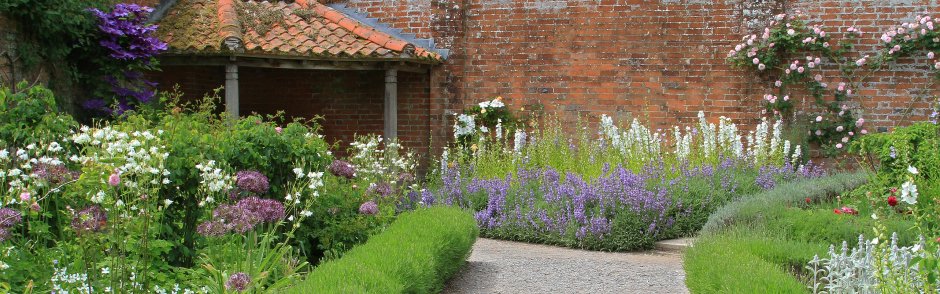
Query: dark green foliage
30	116
416	254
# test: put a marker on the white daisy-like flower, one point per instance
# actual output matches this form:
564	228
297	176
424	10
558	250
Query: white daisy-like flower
913	170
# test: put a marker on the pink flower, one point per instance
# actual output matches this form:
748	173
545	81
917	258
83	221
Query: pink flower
930	55
761	66
800	69
786	98
278	130
791	32
25	196
845	139
818	118
848	92
864	132
825	44
818	77
778	83
756	61
788	70
851	133
859	122
793	66
839	128
839	146
738	47
114	180
35	207
841	87
818	132
811	64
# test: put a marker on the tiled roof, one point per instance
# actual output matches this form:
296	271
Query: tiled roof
302	29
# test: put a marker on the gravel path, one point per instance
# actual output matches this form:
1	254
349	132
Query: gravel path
510	267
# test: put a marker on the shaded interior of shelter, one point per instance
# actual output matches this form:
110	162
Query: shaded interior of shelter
349	102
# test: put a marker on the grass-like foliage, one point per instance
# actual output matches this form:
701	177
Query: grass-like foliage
416	254
762	243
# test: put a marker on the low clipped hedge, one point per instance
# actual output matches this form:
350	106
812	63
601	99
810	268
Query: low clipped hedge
755	245
416	254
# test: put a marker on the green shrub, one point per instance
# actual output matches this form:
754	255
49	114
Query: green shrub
758	208
747	262
30	115
416	254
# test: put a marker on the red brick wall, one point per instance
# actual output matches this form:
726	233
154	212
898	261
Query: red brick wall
661	61
350	102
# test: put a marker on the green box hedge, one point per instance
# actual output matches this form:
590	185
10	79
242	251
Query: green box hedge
416	254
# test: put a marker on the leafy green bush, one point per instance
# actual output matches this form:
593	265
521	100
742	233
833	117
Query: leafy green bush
758	208
747	262
30	115
416	254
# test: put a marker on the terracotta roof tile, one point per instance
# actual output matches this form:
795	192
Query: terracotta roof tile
305	28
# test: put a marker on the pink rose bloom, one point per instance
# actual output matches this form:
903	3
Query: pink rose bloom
761	66
818	118
841	87
756	61
930	55
786	98
845	139
839	146
839	129
278	130
811	64
778	83
114	180
793	66
25	196
817	60
859	122
800	69
864	132
851	133
848	92
818	77
825	44
788	70
818	132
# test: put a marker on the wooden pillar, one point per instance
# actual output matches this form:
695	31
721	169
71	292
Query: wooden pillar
231	90
391	104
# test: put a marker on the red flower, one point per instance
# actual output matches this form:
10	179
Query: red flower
938	239
837	211
892	201
808	200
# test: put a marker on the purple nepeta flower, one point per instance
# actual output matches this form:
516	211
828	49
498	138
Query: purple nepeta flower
369	208
383	189
252	181
266	210
90	219
893	153
342	169
237	282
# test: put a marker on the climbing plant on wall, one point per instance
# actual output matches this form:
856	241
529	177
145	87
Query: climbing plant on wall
796	57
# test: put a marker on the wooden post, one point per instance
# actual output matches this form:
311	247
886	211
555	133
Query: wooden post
391	103
231	90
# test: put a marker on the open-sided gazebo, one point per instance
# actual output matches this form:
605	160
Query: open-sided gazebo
280	49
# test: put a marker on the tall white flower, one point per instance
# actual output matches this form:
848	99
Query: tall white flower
909	192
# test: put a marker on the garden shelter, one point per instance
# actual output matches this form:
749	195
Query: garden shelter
302	57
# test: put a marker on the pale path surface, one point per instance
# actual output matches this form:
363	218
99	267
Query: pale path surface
510	267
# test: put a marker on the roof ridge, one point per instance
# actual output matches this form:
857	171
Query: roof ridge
229	28
362	30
